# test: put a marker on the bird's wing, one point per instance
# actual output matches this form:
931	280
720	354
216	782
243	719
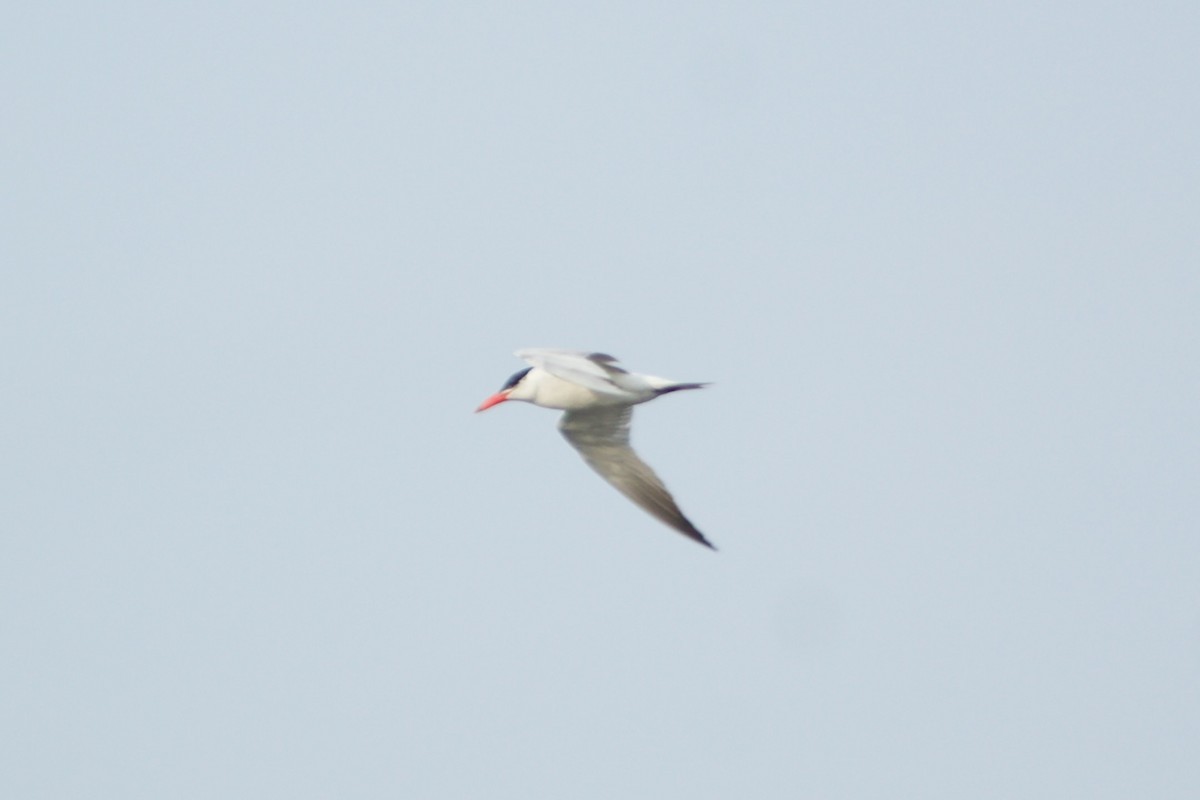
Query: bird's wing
601	435
595	371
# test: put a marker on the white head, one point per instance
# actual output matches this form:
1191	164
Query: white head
515	388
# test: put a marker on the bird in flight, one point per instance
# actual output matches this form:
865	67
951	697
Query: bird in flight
598	397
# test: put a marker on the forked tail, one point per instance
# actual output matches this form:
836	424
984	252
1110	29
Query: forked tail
675	387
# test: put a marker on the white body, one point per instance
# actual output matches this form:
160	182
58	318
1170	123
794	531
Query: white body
571	381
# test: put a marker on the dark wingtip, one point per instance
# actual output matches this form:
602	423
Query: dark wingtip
698	537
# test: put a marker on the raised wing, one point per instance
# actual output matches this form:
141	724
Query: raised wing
601	435
595	371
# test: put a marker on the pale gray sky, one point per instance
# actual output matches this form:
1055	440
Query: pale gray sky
261	262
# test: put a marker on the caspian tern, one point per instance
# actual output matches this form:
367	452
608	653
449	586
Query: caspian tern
598	398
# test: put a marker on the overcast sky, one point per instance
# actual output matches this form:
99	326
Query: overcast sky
261	262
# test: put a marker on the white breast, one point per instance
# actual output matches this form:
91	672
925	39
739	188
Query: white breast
543	389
